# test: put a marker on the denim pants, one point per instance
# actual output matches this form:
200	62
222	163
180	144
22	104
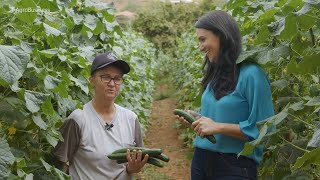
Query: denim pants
209	165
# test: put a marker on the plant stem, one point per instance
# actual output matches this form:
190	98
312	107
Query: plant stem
32	34
24	131
40	167
4	20
297	147
313	41
311	16
297	52
5	93
299	119
295	93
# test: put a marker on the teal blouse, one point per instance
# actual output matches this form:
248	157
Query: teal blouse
248	104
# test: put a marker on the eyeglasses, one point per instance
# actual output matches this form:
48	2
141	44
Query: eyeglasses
107	79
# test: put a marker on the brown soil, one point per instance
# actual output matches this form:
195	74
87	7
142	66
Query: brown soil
162	134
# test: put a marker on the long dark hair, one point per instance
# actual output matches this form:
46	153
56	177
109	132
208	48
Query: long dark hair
223	74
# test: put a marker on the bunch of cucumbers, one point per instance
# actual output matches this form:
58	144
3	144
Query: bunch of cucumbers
155	155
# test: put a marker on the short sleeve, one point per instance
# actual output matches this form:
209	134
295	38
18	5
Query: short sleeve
65	149
257	91
138	134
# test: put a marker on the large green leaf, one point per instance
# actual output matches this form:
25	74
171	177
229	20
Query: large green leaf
34	100
277	27
274	54
306	22
248	55
13	62
77	18
51	82
52	139
51	30
314	101
49	53
291	6
297	106
48	5
11	110
80	82
6	158
263	35
39	122
61	175
268	16
311	157
306	8
90	21
47	107
290	28
308	65
281	84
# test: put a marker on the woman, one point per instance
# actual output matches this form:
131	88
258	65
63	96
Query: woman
235	97
101	127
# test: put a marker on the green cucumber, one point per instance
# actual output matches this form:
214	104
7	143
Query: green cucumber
191	119
163	157
151	160
151	152
117	156
124	150
120	161
185	115
155	162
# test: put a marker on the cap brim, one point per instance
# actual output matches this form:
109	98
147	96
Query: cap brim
121	64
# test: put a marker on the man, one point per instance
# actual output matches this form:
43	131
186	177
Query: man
101	127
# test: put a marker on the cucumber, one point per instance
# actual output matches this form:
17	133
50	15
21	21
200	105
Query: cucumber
151	160
124	150
163	157
151	152
191	119
117	156
185	115
120	161
155	162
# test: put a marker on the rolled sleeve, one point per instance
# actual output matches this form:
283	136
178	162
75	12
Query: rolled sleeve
258	94
138	134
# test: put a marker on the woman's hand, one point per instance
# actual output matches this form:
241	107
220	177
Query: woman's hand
135	162
205	126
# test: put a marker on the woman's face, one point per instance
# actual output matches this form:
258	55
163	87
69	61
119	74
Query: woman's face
107	82
209	43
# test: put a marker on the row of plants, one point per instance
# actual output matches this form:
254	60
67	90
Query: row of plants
284	38
167	21
46	48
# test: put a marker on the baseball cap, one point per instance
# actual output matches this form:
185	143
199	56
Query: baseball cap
103	60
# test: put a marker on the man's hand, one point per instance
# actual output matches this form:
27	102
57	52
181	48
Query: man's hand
135	162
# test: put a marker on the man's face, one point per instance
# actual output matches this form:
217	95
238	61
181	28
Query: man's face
107	82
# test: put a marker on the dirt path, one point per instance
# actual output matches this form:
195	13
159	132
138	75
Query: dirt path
162	134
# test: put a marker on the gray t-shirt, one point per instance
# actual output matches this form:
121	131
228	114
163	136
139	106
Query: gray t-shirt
87	142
